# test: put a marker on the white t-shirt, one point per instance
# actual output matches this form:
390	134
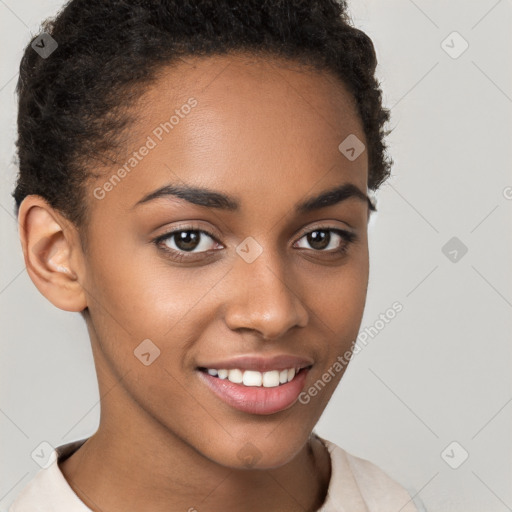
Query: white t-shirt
356	485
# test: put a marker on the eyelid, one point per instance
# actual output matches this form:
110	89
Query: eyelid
328	227
188	226
191	226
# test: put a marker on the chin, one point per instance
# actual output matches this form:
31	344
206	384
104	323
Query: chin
260	453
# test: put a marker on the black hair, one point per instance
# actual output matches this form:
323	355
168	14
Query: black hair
72	105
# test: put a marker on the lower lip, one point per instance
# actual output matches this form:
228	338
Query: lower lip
256	399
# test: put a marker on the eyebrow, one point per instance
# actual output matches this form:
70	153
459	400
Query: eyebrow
213	199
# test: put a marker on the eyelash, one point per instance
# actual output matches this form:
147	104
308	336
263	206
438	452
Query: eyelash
347	236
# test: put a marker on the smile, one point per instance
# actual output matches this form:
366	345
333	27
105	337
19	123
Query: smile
255	392
252	378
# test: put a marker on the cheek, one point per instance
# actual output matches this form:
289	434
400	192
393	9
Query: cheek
345	299
150	298
139	288
143	297
338	304
338	294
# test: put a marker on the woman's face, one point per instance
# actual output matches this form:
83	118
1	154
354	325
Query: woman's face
247	274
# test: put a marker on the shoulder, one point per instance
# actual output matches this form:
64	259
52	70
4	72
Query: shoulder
358	484
49	490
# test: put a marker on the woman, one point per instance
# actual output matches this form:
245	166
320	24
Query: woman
194	180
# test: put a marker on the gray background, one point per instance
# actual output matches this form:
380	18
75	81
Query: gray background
440	370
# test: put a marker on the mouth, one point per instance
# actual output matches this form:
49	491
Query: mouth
253	378
256	392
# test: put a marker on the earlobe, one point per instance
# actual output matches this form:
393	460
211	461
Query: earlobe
51	253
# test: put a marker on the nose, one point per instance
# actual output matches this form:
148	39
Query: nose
264	297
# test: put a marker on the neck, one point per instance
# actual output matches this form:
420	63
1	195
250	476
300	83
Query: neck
134	462
116	473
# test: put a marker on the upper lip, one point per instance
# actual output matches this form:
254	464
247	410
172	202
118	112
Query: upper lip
260	363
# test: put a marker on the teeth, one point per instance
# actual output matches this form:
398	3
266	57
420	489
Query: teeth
252	378
236	376
270	379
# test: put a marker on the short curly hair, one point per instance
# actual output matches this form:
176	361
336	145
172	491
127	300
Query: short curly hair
72	106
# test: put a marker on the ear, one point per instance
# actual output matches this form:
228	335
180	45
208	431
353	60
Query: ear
52	252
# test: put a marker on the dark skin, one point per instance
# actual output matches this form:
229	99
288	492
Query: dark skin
263	131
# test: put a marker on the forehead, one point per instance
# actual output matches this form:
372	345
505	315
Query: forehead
241	124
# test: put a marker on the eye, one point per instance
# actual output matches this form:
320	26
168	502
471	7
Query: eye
191	243
186	240
321	239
